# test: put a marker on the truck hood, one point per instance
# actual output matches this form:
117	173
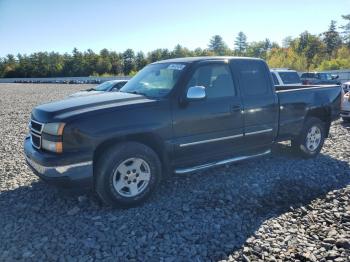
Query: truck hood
73	106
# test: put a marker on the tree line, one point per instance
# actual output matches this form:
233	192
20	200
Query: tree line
326	51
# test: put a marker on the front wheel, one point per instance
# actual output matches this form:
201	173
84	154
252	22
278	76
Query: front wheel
127	174
310	141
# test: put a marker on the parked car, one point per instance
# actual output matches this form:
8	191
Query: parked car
285	77
316	78
179	115
108	86
345	107
346	86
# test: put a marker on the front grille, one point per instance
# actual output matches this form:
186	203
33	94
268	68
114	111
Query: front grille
36	140
36	126
36	129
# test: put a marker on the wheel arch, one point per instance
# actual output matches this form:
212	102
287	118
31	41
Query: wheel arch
322	113
149	139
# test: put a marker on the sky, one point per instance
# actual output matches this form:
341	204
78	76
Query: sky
28	26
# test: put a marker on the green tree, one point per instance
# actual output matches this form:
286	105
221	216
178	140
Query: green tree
217	45
141	61
155	55
90	62
129	61
260	49
241	44
9	66
179	51
346	30
77	61
116	63
286	42
309	46
332	39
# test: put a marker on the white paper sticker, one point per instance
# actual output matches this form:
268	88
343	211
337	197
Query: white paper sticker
176	66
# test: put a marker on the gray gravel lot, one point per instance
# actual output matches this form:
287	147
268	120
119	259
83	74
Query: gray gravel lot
274	208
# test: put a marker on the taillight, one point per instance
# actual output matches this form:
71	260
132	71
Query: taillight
306	82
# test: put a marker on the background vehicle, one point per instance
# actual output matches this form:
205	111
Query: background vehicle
285	77
108	86
345	107
346	86
178	115
319	79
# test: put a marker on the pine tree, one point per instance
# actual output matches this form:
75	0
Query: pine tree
217	45
241	44
141	61
346	28
332	39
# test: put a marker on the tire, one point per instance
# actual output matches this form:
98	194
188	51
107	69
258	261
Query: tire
310	141
346	119
126	174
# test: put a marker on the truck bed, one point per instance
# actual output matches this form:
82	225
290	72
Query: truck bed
291	87
295	102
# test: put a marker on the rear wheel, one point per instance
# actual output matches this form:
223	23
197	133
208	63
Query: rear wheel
310	141
127	174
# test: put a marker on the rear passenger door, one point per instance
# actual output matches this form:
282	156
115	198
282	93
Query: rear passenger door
260	102
212	128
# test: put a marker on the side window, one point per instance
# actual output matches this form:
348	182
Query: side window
307	75
274	78
216	79
252	78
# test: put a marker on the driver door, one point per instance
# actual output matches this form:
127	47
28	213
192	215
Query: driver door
212	128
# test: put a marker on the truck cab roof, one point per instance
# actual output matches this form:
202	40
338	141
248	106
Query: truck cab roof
204	58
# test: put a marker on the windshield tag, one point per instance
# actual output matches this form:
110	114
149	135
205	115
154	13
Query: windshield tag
176	67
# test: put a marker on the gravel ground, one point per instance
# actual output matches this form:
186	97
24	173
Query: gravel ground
274	208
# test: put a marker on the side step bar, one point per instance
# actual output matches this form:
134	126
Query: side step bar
219	163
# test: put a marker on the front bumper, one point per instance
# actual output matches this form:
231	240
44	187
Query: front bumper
75	170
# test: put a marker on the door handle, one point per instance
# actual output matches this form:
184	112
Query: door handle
235	108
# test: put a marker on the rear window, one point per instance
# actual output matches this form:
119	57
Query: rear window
274	78
252	78
290	77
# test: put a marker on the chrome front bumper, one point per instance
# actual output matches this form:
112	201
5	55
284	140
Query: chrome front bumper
58	171
55	169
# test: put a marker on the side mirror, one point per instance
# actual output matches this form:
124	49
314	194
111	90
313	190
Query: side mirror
114	89
335	77
196	93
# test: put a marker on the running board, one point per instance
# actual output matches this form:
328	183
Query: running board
219	163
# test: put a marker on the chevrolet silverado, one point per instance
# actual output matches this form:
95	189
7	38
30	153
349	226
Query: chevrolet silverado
180	115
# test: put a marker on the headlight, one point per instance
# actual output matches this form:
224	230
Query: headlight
52	146
55	129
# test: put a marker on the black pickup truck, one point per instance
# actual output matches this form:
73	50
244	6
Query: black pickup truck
179	115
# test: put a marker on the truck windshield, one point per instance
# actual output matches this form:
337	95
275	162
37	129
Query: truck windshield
155	80
290	77
104	86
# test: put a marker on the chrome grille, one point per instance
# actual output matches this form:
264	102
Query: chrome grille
36	126
36	129
36	140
